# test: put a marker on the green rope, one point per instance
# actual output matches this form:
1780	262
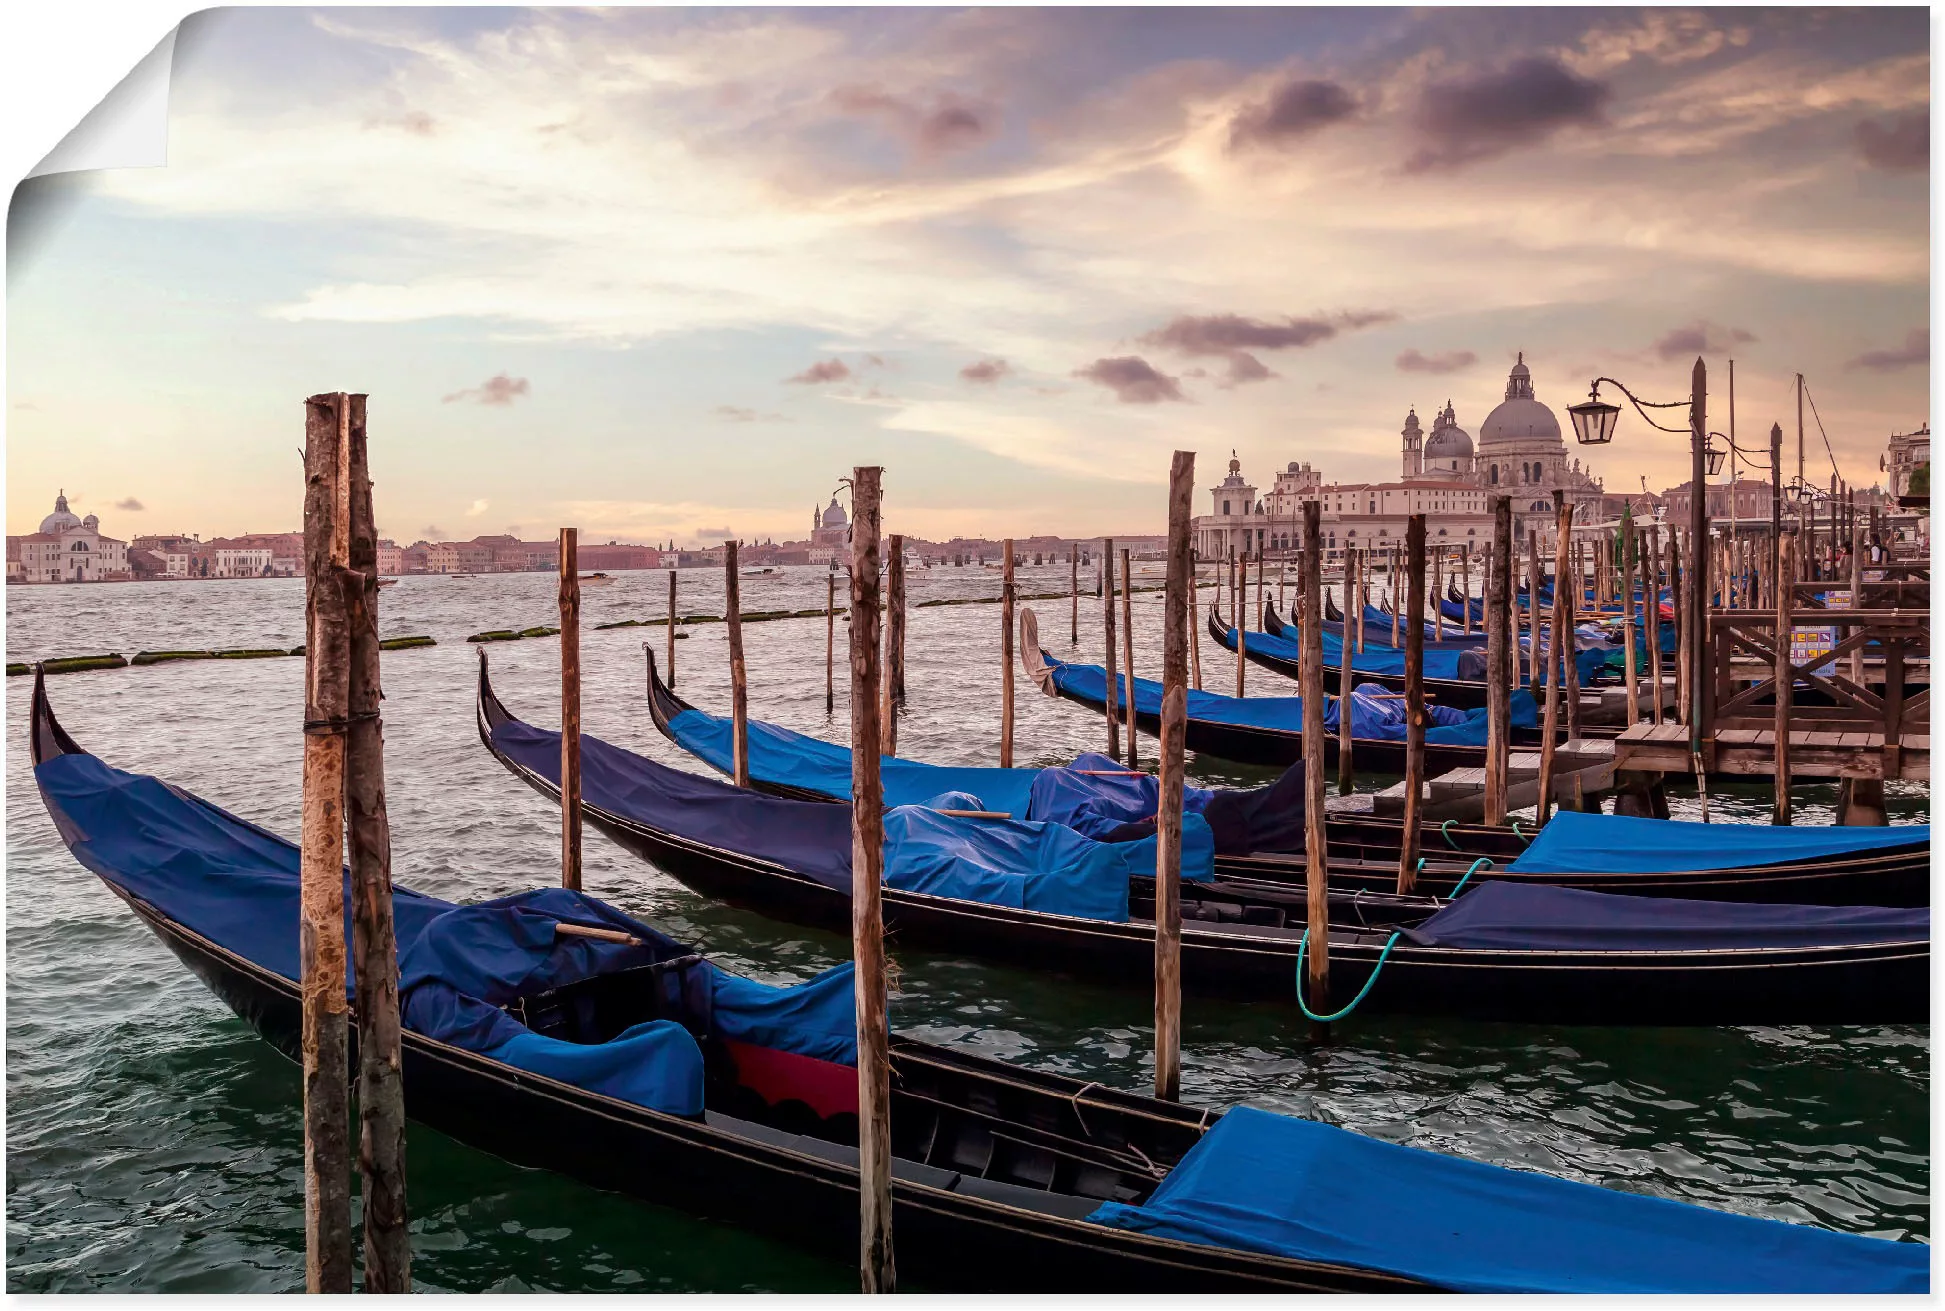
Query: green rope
1521	836
1445	831
1483	860
1304	942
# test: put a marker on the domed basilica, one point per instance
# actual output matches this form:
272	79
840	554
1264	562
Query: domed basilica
1519	452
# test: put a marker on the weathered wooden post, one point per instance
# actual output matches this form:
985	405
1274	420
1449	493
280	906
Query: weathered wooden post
1006	659
1570	671
1195	619
1465	583
1780	814
1499	670
830	638
1536	669
1178	607
1257	613
876	1269
670	635
1438	596
739	691
1683	627
1107	624
320	927
895	636
1354	612
1074	593
1128	651
1651	578
1346	681
374	939
1414	707
570	606
1241	620
1555	678
1397	601
1310	684
1629	629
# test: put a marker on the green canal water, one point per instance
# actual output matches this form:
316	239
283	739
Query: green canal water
154	1143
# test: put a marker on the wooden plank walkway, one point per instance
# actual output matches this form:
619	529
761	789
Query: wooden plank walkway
1752	751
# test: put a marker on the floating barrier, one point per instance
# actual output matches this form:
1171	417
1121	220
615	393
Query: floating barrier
74	664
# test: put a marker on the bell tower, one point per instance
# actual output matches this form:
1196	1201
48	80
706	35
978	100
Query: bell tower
1414	445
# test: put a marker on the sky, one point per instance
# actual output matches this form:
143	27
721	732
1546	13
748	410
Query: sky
672	273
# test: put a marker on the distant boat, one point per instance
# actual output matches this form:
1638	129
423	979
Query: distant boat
752	573
387	582
596	580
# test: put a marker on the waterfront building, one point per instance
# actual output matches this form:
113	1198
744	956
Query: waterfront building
177	551
1903	455
391	560
69	548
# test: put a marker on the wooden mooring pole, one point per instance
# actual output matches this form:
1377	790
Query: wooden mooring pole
1556	631
894	633
1630	630
1006	658
374	939
830	638
739	689
670	635
1178	608
1500	667
1414	705
1780	814
570	607
1310	684
876	1271
320	927
1074	593
1241	581
1128	651
1651	580
1107	623
1346	679
1195	619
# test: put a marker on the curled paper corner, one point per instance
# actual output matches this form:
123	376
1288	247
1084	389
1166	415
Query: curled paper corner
129	128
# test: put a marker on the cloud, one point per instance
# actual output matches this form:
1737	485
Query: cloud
1916	350
1416	361
1901	146
1293	111
1463	120
1232	337
1133	380
476	508
129	503
740	414
831	370
986	371
417	122
496	390
432	532
716	534
1699	338
947	124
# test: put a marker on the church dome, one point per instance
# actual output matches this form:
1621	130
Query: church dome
62	518
1448	440
1519	419
834	516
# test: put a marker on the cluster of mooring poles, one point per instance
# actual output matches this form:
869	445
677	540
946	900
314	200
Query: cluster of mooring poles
344	789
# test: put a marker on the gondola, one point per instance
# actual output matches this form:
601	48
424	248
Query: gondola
1583	960
1001	1178
1259	831
1251	730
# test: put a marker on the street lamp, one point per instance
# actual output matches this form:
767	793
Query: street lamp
1594	422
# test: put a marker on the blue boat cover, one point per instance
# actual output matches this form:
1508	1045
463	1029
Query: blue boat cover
1295	1188
1023	864
782	757
1376	714
238	885
1506	916
1097	795
1576	843
1440	662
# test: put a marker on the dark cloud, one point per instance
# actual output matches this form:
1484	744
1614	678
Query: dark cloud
1903	145
496	390
723	535
1133	380
129	503
947	124
741	414
1294	110
1466	119
1416	361
432	532
986	371
1699	338
1916	350
1233	337
831	370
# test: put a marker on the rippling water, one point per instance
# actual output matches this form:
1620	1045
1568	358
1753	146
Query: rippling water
154	1143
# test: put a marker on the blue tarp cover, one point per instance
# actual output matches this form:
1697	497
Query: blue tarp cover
1375	716
238	885
1027	865
1576	843
1097	794
780	756
1289	1187
1441	662
1518	917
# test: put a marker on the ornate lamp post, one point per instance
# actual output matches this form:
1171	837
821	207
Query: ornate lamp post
1594	422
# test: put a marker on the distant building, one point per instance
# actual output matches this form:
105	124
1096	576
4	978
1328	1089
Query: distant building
391	559
830	534
177	551
1903	455
620	555
67	549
